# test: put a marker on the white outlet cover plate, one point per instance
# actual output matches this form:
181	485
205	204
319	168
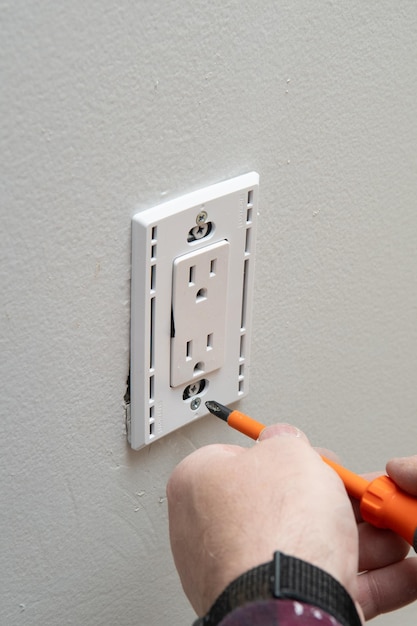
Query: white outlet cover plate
160	237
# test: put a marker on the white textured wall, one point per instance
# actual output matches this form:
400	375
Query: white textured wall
108	106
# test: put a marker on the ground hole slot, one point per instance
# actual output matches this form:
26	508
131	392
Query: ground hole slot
199	368
201	294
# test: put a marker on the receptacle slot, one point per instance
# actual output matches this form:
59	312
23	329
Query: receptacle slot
210	341
188	350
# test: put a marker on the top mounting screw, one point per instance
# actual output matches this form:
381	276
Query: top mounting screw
201	218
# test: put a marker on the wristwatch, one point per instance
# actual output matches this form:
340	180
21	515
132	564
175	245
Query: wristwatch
285	577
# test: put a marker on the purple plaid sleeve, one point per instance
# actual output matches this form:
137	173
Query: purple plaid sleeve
278	613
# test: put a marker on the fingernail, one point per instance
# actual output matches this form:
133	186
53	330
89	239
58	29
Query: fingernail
280	430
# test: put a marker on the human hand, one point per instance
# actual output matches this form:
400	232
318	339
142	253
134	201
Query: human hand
403	471
389	580
231	508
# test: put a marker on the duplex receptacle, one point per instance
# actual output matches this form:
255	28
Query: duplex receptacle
199	306
192	284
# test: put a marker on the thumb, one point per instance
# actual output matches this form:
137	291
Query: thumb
403	471
281	430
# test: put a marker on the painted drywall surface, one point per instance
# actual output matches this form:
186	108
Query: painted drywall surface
108	108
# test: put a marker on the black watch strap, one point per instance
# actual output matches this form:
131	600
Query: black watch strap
285	578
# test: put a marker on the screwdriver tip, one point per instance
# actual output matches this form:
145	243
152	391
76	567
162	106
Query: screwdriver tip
219	410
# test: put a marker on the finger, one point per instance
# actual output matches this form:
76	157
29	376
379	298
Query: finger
379	548
403	471
388	588
281	430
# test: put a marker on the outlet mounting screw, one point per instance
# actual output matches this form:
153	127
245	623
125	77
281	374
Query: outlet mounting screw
195	403
201	218
198	232
193	389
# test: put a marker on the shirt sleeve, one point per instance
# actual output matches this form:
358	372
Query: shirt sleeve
278	613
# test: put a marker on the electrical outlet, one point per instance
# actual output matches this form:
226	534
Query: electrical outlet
192	285
199	305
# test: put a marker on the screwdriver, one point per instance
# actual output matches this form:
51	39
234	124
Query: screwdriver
382	503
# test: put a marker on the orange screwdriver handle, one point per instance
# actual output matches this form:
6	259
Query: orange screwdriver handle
355	485
385	505
245	424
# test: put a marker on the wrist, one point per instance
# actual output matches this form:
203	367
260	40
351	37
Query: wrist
285	577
